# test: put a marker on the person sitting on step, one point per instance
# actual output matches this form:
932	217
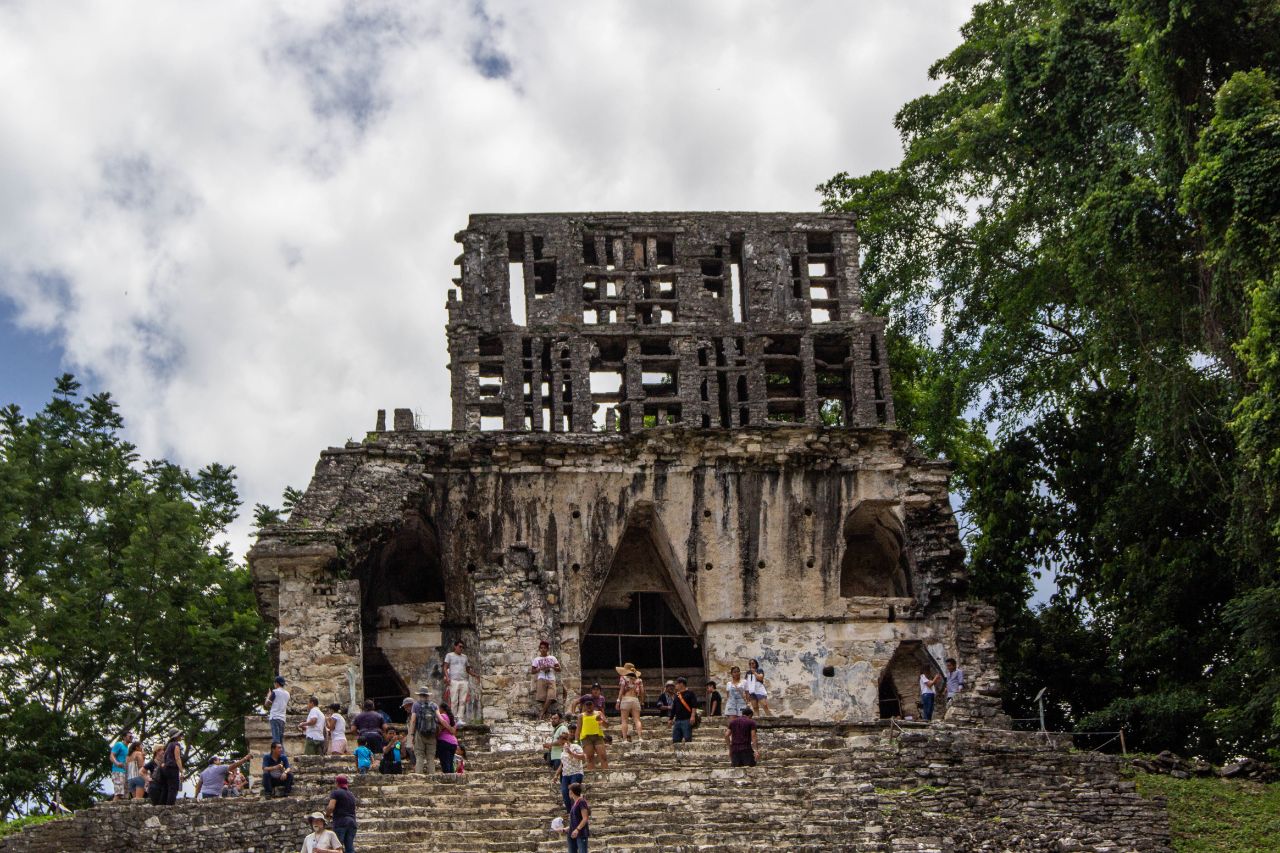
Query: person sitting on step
277	775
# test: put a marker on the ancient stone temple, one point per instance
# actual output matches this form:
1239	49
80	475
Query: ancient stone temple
673	445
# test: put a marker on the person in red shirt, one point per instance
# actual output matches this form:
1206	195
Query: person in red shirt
740	735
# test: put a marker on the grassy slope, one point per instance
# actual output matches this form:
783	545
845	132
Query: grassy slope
1213	815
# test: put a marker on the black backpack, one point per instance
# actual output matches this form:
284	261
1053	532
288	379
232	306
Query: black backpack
427	723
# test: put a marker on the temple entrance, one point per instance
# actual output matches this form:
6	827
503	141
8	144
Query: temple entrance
900	680
644	615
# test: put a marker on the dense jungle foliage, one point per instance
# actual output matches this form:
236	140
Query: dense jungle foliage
1080	256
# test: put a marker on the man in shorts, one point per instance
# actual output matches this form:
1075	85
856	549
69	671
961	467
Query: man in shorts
119	757
544	669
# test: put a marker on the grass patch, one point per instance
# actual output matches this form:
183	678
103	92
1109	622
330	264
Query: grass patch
11	826
1216	815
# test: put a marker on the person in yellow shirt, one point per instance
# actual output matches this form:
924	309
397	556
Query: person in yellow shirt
591	732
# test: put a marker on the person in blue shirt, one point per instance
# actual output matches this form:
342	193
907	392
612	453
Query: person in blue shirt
276	772
119	755
364	756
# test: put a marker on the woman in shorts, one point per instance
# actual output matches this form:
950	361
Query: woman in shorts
630	699
135	782
757	695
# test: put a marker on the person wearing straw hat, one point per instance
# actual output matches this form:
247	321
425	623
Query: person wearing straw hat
321	839
630	699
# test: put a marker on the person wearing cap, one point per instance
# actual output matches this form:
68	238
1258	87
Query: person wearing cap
277	702
593	700
171	769
423	728
666	699
341	812
410	758
630	698
591	732
321	840
119	757
213	779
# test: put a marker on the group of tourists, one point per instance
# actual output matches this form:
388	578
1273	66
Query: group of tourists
952	683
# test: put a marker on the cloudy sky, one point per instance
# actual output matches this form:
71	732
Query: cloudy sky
238	217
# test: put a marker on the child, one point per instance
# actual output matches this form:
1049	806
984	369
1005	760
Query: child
460	760
579	816
364	756
391	754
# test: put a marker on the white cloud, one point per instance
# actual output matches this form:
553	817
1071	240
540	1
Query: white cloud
239	217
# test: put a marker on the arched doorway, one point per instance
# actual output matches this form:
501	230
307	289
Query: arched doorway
874	562
644	614
402	595
900	680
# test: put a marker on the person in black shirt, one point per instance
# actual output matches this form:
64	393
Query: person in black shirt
341	812
714	700
369	724
684	708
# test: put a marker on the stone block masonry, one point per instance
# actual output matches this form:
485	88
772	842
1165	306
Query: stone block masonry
672	446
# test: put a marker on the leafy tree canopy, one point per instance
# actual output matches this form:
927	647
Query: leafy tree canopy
1080	256
121	610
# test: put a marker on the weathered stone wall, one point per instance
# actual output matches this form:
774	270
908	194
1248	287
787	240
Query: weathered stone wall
748	528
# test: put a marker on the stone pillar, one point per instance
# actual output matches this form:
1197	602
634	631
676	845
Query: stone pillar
319	623
514	611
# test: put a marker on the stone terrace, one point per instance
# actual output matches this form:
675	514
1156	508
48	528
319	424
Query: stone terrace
819	787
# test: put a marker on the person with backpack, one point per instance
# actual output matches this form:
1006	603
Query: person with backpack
684	712
424	725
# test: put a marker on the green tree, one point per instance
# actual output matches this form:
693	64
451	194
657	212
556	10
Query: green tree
121	607
1084	219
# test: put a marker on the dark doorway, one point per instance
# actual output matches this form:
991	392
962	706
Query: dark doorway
647	634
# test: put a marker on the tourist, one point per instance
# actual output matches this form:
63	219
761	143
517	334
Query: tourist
630	699
955	680
460	761
740	735
446	737
213	779
364	756
369	724
551	751
684	713
236	781
666	699
277	775
119	772
407	753
757	695
577	828
544	669
336	728
135	780
423	726
457	678
313	728
591	734
715	702
171	769
928	686
320	840
736	692
277	704
592	700
392	763
155	786
572	758
341	813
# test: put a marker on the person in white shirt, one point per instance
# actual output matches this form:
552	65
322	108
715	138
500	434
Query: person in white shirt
457	679
313	728
321	840
337	728
544	668
277	703
928	686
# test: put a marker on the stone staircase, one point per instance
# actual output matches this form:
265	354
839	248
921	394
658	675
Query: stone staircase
820	786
